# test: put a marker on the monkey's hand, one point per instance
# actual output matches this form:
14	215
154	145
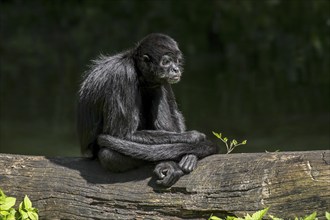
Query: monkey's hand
168	173
196	136
188	163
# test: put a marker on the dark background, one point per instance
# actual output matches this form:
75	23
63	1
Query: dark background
255	70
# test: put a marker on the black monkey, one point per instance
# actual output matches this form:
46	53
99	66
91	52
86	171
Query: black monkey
127	113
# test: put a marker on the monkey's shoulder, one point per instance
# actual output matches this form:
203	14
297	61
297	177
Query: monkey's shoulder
118	65
109	73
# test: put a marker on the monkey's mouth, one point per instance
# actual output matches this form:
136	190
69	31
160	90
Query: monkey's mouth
174	79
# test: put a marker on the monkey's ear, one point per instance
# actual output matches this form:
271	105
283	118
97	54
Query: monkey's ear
146	58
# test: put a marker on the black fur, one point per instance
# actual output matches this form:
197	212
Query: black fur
127	113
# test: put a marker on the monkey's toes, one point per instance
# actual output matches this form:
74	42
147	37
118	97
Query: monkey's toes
188	163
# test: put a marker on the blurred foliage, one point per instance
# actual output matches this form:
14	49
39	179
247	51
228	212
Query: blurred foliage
254	69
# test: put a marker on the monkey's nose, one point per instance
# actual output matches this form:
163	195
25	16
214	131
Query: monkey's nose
176	69
175	74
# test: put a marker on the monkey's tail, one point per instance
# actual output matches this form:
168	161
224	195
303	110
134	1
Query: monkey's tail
155	152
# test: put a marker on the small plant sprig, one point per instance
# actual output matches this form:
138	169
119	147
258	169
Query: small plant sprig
231	145
25	210
7	212
260	214
256	216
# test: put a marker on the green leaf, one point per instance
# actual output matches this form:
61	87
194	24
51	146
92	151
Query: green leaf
2	194
4	213
244	142
214	218
311	216
248	217
33	215
12	211
11	217
20	207
231	218
27	203
225	139
24	214
274	218
259	214
8	202
217	135
327	215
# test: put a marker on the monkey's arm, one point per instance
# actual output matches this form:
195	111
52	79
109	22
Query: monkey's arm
175	113
156	152
166	137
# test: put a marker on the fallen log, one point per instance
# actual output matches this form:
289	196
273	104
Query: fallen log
290	183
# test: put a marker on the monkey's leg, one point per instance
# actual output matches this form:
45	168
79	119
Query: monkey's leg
157	152
117	162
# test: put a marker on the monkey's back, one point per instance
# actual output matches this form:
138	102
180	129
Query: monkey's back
107	100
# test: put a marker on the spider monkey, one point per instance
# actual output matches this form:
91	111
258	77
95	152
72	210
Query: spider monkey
127	113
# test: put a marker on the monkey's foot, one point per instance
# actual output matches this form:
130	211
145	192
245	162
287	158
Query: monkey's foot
188	163
168	173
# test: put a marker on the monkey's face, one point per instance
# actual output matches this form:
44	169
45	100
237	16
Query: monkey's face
170	68
159	60
161	69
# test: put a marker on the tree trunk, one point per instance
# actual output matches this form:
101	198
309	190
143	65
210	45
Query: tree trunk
290	183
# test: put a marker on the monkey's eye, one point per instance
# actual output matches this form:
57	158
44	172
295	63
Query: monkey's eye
166	61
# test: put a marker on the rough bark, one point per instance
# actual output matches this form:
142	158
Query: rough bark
291	183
